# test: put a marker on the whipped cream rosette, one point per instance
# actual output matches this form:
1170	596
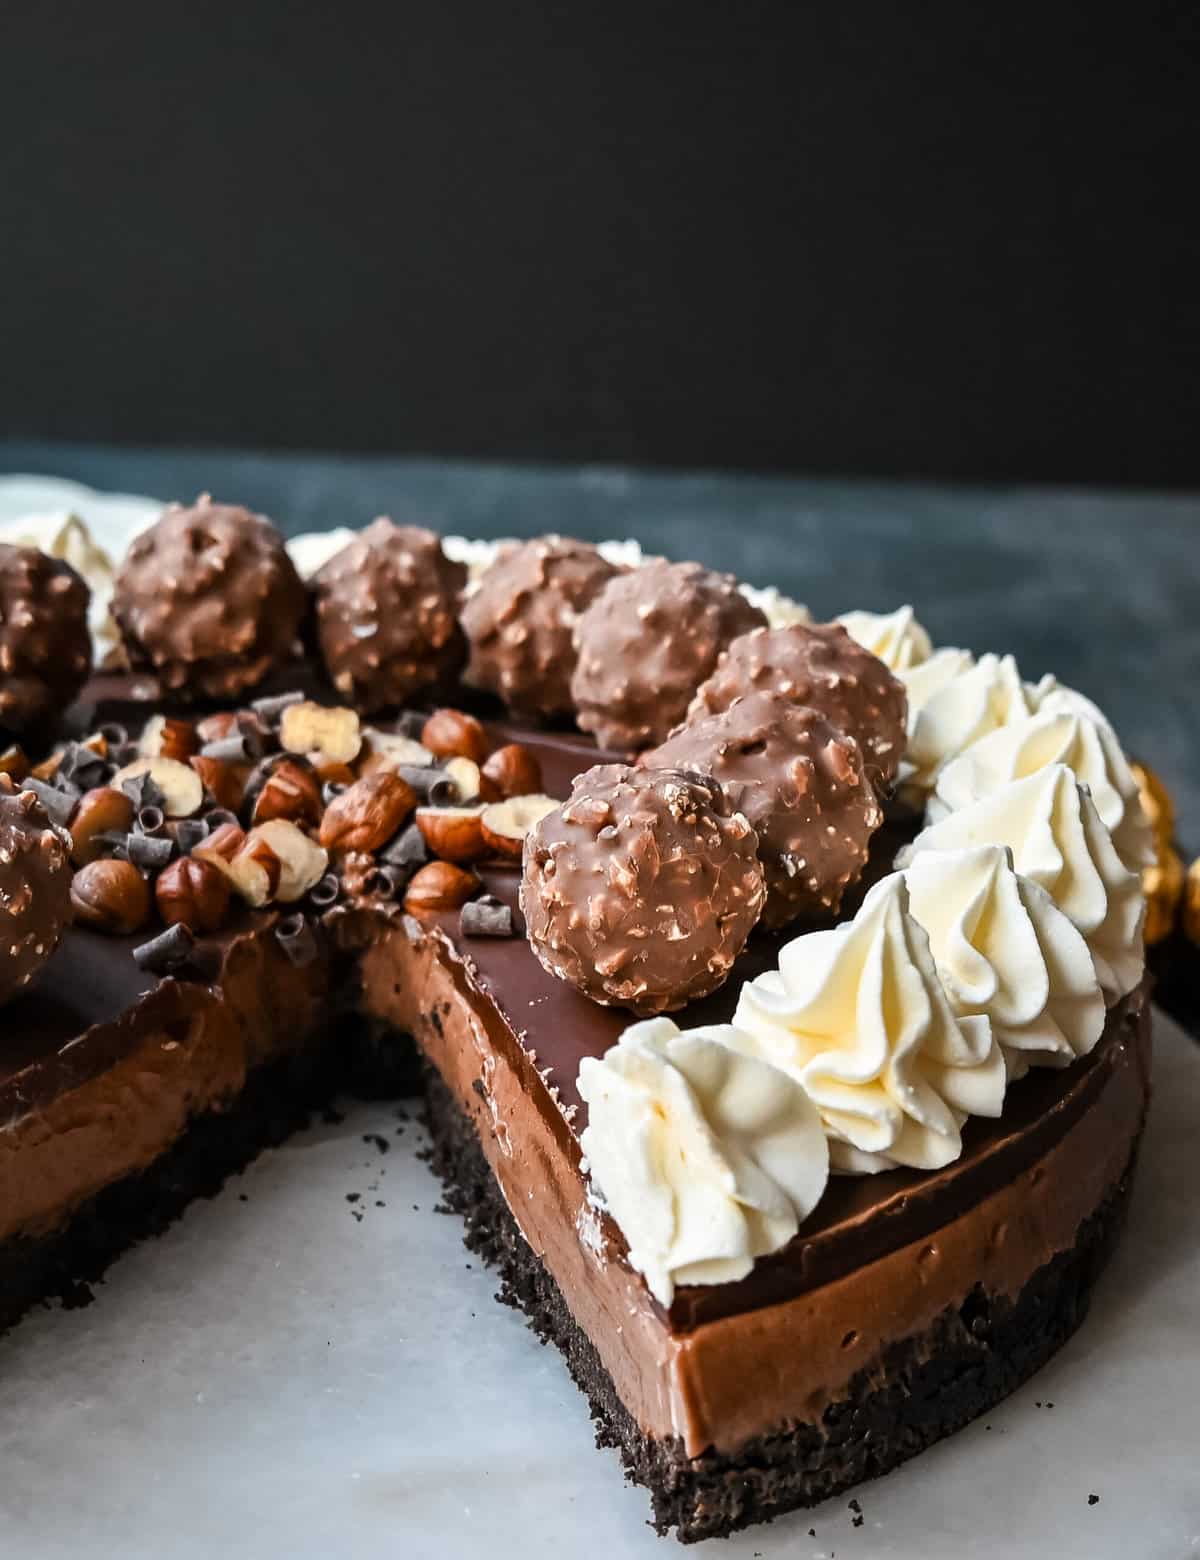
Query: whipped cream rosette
1067	729
1003	949
969	704
706	1156
858	1016
924	679
1051	826
898	640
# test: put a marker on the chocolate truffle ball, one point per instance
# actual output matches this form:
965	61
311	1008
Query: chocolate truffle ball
646	644
387	616
642	888
802	784
207	599
521	622
822	666
45	646
35	888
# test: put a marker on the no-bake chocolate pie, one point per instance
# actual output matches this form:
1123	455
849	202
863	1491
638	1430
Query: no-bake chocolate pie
788	1057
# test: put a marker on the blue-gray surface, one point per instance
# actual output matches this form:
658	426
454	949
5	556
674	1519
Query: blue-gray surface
1101	589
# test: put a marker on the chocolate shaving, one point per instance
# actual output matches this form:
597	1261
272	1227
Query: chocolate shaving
406	849
296	937
143	791
82	766
420	777
166	952
59	803
151	820
271	706
410	723
189	832
234	749
325	894
486	917
217	817
115	735
331	790
384	882
149	851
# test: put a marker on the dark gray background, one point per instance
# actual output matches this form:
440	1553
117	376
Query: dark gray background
948	240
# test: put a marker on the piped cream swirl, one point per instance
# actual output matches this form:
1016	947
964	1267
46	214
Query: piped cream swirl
898	640
967	706
706	1156
1003	949
1062	732
858	1016
1051	826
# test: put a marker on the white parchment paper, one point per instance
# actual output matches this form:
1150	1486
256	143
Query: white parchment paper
288	1372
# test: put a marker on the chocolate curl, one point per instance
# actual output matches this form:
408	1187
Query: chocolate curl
270	708
406	849
217	817
234	749
82	766
59	803
148	851
410	723
143	791
426	780
151	820
384	882
325	894
486	917
331	790
115	735
189	832
166	952
296	937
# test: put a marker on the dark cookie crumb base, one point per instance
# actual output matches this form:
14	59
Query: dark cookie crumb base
279	1098
933	1384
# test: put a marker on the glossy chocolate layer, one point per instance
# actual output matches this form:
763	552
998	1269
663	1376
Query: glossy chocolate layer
881	1259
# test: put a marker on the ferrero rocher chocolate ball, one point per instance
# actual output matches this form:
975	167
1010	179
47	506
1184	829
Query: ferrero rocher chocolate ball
35	888
822	666
387	616
802	784
207	599
646	644
45	646
642	888
521	621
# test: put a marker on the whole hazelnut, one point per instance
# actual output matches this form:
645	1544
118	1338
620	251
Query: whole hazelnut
194	892
514	771
110	896
103	810
454	734
367	813
440	886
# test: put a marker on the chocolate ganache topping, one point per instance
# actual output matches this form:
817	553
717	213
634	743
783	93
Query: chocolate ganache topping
35	888
822	666
521	621
802	783
647	642
208	600
387	615
45	647
642	888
